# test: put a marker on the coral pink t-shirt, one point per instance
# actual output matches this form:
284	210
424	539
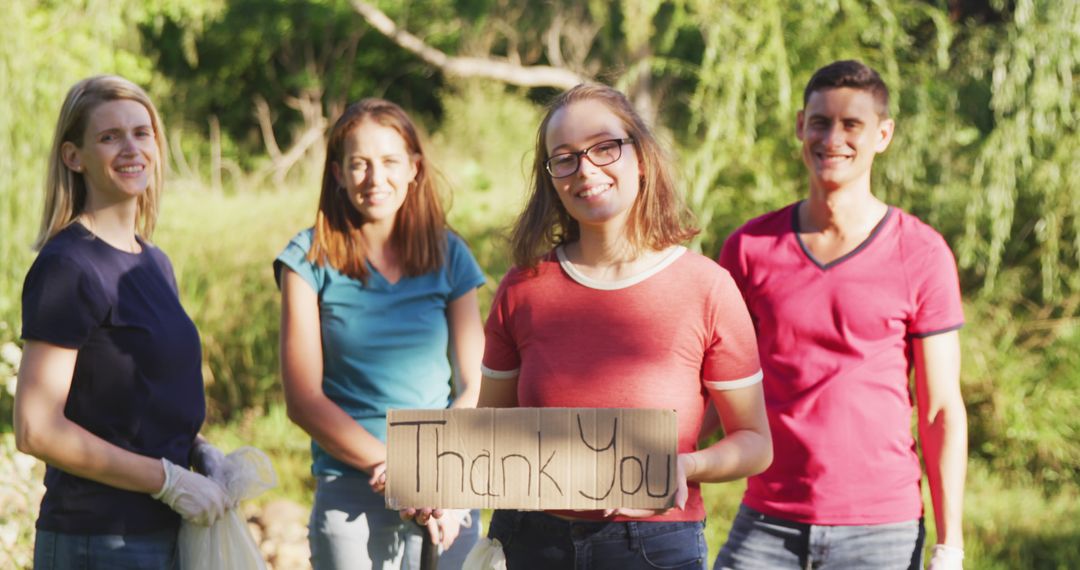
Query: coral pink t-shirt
835	343
655	340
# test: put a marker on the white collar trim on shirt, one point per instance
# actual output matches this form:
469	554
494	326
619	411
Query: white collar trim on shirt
672	254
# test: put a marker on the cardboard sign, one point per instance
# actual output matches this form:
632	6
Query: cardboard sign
531	458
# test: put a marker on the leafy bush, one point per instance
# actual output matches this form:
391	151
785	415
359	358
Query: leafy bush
222	248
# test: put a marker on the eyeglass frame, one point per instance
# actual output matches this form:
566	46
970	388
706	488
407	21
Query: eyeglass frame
584	153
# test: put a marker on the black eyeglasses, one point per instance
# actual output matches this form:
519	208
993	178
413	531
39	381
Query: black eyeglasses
602	153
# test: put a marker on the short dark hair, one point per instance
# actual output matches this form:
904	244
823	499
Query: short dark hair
853	74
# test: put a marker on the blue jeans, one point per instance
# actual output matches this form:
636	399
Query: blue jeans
351	528
60	551
535	540
762	542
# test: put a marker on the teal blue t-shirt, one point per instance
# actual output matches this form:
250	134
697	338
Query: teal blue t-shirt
384	345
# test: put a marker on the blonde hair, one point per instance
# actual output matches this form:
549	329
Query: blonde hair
419	234
659	217
65	189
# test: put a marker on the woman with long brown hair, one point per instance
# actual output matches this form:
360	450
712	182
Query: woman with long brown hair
372	297
605	309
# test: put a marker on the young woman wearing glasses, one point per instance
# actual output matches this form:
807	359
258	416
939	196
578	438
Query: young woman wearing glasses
605	309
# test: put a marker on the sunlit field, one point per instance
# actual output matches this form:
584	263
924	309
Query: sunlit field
988	134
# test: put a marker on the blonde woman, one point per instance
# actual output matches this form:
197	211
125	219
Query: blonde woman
110	390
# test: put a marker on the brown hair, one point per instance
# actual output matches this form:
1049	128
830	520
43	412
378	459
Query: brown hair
658	218
852	74
419	234
65	189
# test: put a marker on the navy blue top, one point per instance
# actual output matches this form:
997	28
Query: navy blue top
138	375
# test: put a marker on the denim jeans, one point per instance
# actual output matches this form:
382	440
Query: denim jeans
535	540
351	528
61	551
762	542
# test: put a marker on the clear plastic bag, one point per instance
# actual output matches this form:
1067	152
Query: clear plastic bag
227	544
486	555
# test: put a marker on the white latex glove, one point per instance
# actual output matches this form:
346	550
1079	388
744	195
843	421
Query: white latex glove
944	557
197	498
207	459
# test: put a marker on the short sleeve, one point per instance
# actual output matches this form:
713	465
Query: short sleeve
501	356
731	259
731	359
294	256
938	307
62	304
166	267
461	267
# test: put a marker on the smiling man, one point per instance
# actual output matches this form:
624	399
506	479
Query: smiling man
849	295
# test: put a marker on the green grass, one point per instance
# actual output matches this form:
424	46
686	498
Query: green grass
222	248
1009	526
1006	526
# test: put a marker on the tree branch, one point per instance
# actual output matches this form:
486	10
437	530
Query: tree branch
282	166
525	76
266	125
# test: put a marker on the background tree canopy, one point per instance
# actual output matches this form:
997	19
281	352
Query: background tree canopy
984	93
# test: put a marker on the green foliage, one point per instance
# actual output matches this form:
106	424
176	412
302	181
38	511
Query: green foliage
1009	526
222	248
484	147
986	140
1022	387
306	58
1026	165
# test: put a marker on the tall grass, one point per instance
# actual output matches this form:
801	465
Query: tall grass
1006	526
222	247
484	147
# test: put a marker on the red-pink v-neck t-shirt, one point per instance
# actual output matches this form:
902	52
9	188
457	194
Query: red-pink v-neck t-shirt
835	345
